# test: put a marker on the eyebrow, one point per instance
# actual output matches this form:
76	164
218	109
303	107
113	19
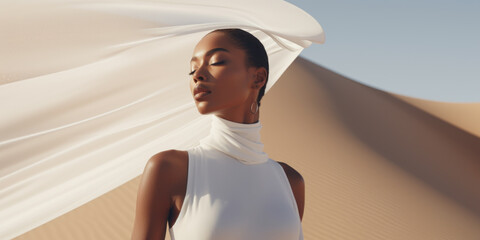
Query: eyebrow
210	52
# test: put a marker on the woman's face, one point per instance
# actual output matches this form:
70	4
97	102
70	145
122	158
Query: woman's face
220	80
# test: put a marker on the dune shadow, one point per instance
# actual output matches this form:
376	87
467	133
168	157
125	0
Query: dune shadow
436	152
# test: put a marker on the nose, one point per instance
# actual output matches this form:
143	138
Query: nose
198	75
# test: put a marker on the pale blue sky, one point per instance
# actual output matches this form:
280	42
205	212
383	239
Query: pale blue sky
428	49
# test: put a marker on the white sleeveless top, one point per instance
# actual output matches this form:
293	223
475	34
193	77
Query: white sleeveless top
234	191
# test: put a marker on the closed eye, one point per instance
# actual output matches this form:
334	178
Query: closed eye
216	63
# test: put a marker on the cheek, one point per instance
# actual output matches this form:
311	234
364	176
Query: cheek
233	84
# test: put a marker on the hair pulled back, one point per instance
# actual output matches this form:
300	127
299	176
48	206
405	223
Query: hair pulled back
256	55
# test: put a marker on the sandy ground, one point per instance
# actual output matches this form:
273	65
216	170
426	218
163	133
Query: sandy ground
376	165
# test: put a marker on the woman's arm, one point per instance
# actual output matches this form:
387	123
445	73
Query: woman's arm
154	198
298	186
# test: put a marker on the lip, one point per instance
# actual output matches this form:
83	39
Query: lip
201	95
200	92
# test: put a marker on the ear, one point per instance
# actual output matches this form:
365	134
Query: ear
260	78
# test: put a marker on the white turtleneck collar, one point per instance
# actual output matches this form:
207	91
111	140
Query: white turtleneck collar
238	140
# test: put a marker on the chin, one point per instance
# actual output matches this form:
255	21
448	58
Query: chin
203	109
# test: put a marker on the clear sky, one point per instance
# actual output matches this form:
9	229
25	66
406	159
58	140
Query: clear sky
427	49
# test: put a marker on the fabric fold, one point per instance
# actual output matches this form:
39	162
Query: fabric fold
237	140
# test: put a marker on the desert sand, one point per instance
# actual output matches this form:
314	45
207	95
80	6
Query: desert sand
377	165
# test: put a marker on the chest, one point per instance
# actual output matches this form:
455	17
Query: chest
237	204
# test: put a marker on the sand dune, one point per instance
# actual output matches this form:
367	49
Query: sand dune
376	165
463	115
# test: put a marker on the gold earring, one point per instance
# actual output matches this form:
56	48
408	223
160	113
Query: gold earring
256	109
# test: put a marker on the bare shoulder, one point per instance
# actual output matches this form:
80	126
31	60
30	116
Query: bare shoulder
298	186
172	164
171	156
168	159
158	184
293	175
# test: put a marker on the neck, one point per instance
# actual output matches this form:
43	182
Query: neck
245	119
239	114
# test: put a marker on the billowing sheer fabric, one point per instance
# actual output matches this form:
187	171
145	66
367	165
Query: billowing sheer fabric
90	90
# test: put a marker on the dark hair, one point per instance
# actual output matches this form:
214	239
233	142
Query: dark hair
256	55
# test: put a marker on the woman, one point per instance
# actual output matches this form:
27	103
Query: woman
227	187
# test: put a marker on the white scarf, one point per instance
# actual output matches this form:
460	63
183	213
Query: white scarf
238	140
88	121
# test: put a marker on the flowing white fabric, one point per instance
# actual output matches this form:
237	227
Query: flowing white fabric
90	90
238	140
234	191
